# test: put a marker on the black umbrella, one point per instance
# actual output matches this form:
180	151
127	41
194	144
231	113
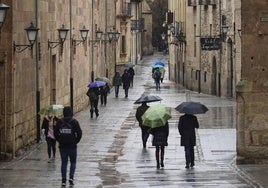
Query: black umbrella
147	98
192	108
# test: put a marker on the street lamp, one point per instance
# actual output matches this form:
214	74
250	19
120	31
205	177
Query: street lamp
3	13
84	33
31	35
62	37
224	32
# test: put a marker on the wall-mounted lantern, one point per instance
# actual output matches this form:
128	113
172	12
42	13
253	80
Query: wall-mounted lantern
84	33
224	31
31	35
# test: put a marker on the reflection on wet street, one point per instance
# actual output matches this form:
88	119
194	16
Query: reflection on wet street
111	154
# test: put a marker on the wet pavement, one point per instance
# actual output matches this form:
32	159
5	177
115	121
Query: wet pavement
110	153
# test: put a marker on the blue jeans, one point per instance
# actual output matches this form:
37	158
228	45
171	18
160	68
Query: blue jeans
66	153
189	154
116	89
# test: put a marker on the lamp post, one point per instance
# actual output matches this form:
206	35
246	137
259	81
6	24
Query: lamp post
75	42
98	35
31	35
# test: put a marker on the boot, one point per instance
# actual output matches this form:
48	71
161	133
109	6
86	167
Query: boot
91	113
162	157
157	165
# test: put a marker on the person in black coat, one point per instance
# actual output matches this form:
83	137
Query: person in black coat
104	90
160	140
68	150
131	73
93	94
126	82
144	129
187	125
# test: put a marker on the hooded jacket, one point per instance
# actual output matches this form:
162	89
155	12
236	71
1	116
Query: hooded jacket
68	117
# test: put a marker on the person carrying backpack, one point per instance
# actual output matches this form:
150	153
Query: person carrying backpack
157	78
68	133
93	94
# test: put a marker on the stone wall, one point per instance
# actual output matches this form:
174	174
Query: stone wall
252	90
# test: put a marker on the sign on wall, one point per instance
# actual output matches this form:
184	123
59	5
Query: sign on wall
210	43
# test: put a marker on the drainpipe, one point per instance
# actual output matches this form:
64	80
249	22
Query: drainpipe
71	55
37	77
105	43
92	46
200	32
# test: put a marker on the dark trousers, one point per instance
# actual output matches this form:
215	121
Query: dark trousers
94	108
51	146
66	154
159	150
116	90
103	98
126	92
157	83
189	154
144	135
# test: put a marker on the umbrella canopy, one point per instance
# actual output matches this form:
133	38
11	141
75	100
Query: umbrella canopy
156	116
96	84
147	98
129	65
105	79
159	63
158	66
52	110
192	108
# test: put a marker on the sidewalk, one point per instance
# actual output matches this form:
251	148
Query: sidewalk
111	155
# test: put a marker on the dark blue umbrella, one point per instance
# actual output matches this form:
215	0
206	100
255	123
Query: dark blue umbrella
159	63
96	83
192	108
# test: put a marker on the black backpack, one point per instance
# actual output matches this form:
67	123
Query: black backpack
67	136
157	74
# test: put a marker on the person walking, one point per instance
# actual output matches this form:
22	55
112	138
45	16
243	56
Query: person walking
93	94
68	133
48	130
157	77
144	129
186	126
131	74
160	140
126	82
162	70
104	90
117	82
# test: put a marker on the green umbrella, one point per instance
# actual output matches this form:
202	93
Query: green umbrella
156	116
52	110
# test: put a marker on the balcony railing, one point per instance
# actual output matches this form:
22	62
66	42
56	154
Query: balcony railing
207	2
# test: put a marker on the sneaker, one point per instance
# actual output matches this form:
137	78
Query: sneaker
49	160
63	184
187	166
71	182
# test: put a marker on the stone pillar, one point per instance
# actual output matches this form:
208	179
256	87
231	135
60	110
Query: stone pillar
252	90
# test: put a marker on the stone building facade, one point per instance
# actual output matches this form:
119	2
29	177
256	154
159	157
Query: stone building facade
230	61
252	90
54	72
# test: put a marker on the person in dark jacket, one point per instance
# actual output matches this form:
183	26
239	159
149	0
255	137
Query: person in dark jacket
104	90
126	82
68	150
144	129
93	94
48	130
187	125
117	82
131	74
160	140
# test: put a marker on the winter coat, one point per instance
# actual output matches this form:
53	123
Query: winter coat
160	135
126	80
93	94
68	117
186	127
117	81
131	72
140	111
45	124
